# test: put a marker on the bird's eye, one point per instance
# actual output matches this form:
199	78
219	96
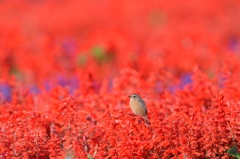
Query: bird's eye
134	96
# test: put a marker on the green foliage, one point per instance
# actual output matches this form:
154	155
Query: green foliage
101	55
89	156
234	152
98	53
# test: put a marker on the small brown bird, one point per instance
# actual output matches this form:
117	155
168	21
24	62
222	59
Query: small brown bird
138	106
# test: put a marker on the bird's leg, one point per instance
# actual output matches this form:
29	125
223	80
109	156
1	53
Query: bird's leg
139	120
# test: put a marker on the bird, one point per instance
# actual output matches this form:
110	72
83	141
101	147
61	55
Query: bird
138	106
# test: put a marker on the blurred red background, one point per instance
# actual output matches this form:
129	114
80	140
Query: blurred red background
67	68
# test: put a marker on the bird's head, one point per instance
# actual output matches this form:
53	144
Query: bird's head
134	96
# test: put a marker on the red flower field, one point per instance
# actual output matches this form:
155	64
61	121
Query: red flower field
68	67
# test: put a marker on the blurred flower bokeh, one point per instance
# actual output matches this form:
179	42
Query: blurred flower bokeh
67	68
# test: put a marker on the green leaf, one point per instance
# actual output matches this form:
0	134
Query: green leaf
101	55
98	53
90	156
234	152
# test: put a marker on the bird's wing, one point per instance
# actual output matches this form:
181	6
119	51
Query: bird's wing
142	101
143	104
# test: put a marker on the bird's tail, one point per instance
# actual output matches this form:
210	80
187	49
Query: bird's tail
146	118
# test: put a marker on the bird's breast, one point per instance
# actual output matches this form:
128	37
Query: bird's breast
138	108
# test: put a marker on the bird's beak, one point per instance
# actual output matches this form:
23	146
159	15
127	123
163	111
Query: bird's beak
129	96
